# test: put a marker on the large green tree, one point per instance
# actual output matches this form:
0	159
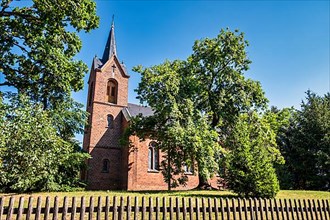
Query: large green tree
216	70
307	144
33	156
252	153
182	132
38	43
212	80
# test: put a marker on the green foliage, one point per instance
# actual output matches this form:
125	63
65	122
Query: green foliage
33	157
251	157
180	129
217	69
38	45
197	102
307	145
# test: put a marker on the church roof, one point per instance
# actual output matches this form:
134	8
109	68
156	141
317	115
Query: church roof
133	110
110	48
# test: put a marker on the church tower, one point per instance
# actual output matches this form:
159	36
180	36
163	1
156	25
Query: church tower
107	96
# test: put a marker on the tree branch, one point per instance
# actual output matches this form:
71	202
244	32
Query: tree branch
6	84
19	14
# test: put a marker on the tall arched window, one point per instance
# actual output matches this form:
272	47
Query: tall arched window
91	89
110	121
153	156
105	166
112	89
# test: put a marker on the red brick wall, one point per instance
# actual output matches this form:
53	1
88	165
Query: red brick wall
101	141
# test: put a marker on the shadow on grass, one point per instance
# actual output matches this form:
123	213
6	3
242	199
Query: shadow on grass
189	194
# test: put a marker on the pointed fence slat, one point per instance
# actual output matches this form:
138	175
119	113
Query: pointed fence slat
47	208
74	208
107	208
136	208
129	208
65	208
216	212
203	209
30	208
20	208
82	208
157	208
10	208
151	208
197	209
164	208
191	209
184	208
114	211
99	208
296	209
209	205
91	208
324	207
143	208
38	211
121	209
177	203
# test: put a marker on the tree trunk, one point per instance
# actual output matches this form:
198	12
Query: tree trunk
203	183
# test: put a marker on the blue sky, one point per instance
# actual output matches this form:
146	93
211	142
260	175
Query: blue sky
289	40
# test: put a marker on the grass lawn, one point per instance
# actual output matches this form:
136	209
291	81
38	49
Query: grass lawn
283	194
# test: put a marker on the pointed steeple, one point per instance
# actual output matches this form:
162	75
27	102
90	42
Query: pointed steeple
110	47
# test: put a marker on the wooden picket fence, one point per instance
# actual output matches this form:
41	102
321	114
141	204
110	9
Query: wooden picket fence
161	208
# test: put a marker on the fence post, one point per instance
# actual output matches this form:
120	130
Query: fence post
82	208
74	208
91	208
209	207
136	208
203	208
157	208
114	211
164	208
10	208
99	208
30	208
38	211
20	208
143	207
65	208
129	208
47	208
197	209
184	209
150	208
107	208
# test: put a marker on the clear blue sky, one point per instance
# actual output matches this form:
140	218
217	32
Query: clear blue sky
289	40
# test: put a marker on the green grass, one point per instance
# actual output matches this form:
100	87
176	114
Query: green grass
284	194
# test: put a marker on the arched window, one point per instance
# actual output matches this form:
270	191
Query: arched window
110	121
112	89
105	166
91	89
153	156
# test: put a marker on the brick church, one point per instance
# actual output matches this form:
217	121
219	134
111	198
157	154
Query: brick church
112	165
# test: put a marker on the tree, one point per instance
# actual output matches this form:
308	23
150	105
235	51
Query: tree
38	43
307	145
251	157
182	132
212	80
216	69
33	156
